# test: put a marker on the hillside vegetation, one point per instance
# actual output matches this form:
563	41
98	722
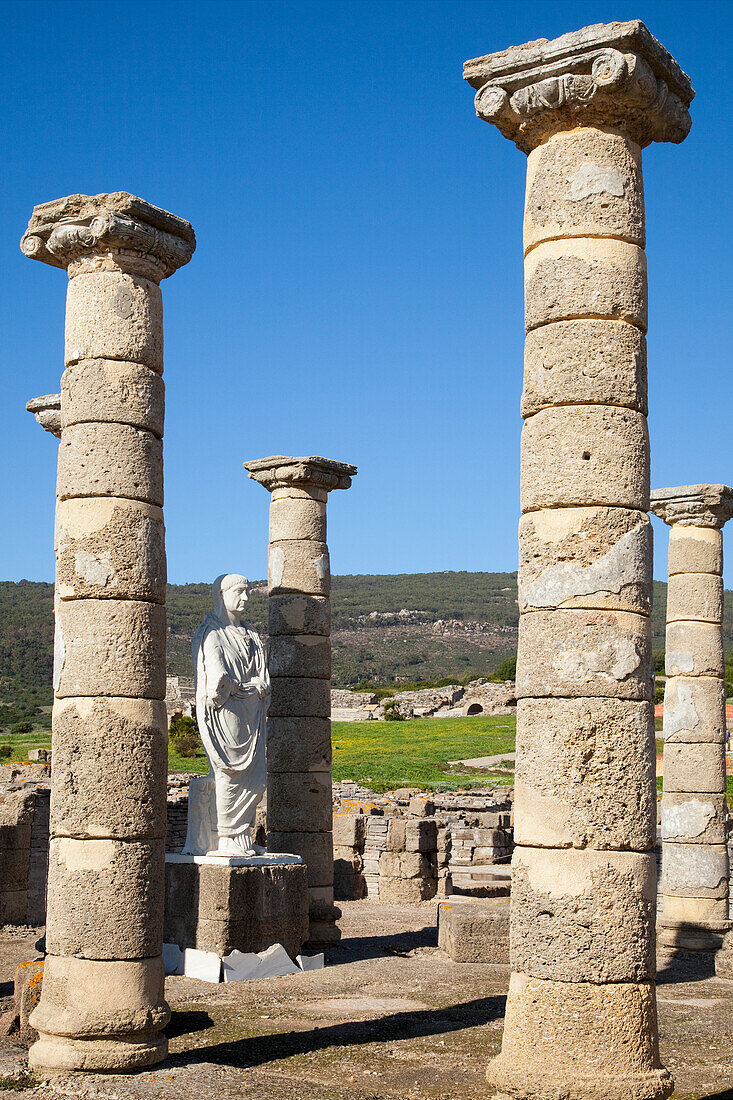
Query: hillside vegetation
407	627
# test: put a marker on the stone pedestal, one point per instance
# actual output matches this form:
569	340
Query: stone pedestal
299	807
102	1006
245	904
581	1012
695	866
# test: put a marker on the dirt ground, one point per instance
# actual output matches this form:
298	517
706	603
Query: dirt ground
390	1018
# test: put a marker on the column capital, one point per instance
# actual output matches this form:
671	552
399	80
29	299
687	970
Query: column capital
47	411
610	75
280	471
693	505
107	232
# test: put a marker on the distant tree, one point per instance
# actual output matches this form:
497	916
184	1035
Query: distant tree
507	670
22	727
658	660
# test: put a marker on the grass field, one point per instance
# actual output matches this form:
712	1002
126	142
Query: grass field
383	755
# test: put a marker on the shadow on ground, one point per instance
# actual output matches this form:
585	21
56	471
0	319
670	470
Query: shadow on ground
261	1049
683	966
360	948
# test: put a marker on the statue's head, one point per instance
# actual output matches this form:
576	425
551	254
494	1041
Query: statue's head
230	592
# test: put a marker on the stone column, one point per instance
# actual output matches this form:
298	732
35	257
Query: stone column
299	805
581	1012
102	1005
695	867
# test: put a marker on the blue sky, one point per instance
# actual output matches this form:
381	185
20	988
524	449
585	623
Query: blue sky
357	287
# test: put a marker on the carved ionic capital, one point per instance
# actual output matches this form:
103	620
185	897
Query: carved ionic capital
47	411
279	472
693	505
95	232
611	75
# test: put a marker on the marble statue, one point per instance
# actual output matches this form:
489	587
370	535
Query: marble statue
232	694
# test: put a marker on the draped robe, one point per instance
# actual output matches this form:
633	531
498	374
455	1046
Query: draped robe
229	665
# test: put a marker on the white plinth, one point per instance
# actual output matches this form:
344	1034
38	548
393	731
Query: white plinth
271	859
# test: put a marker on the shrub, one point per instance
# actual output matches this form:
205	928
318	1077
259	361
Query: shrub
183	726
659	693
392	712
6	751
22	727
507	670
187	746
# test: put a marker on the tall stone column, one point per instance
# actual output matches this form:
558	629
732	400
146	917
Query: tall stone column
299	804
103	1005
695	868
581	1012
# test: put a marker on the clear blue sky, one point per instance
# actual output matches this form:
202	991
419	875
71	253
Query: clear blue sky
357	288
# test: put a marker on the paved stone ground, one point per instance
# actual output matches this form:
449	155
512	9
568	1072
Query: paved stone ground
391	1018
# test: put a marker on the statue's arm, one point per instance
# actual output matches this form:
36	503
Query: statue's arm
217	684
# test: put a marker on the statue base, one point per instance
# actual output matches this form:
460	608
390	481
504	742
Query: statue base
242	903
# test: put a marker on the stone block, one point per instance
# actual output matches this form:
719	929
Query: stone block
102	460
93	997
693	768
598	558
474	932
95	742
28	985
299	565
110	548
223	908
609	1053
298	745
599	278
405	865
112	315
584	654
300	697
300	655
299	802
297	518
583	915
295	613
114	392
407	891
349	830
695	596
15	834
311	962
695	550
694	871
694	649
105	898
694	709
406	834
13	905
703	912
315	848
323	933
584	362
14	871
584	183
109	647
203	965
600	456
693	818
585	774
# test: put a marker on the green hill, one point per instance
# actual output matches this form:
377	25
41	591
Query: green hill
411	626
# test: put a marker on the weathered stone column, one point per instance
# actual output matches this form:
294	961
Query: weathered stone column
299	805
695	867
581	1013
102	1005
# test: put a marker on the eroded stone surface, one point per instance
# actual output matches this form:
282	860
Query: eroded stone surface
300	696
297	518
695	818
110	460
585	774
695	596
584	653
114	315
105	898
112	391
299	614
298	744
300	655
299	802
299	565
695	550
584	361
586	183
694	649
585	557
110	548
690	767
694	871
95	742
694	709
600	456
585	278
583	915
315	848
109	647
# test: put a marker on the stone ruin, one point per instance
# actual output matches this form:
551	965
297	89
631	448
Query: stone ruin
581	1010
